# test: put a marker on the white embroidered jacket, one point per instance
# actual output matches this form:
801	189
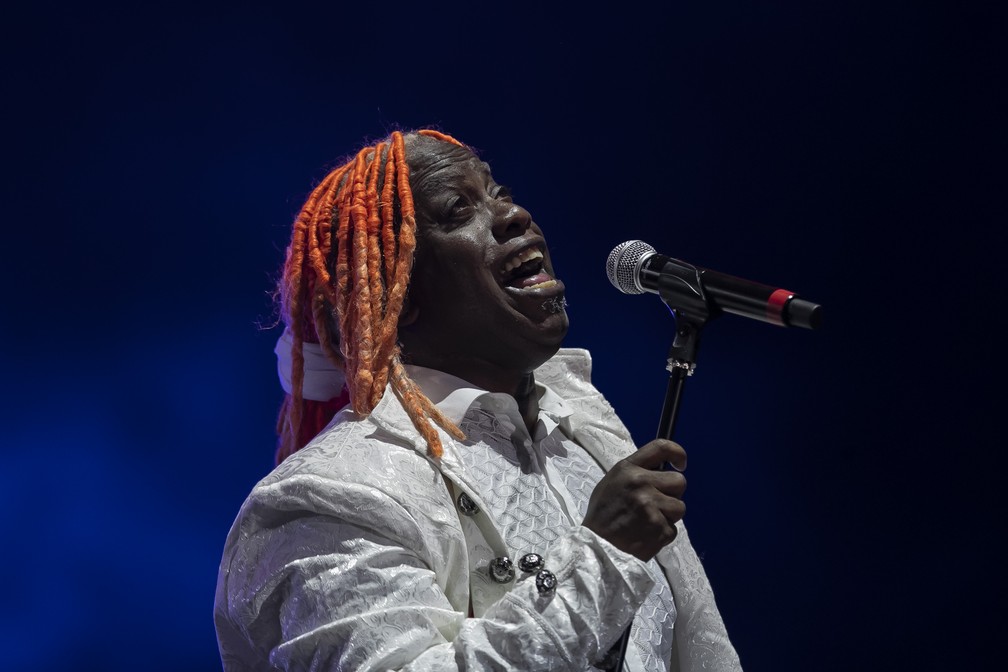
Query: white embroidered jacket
354	554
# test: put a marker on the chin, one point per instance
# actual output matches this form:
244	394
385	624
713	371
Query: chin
548	340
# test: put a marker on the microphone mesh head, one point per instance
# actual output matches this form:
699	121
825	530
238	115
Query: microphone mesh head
623	265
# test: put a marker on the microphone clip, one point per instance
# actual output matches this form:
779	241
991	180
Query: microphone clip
681	363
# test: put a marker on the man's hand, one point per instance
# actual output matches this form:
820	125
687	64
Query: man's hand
635	506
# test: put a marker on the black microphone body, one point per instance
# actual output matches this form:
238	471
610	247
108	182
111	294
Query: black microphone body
635	267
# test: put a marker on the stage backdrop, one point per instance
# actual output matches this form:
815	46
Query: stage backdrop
843	484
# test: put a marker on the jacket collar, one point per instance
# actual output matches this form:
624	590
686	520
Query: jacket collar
566	396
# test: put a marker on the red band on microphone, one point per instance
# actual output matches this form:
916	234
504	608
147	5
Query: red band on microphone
775	306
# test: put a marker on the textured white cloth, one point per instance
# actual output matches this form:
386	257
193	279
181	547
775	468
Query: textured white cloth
353	554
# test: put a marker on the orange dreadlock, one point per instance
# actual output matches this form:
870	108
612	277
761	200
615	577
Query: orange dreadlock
362	298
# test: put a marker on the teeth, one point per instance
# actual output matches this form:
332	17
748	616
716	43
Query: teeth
547	283
527	255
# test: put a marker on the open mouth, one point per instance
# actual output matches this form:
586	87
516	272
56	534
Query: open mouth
525	271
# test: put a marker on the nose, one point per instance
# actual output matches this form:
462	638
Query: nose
511	221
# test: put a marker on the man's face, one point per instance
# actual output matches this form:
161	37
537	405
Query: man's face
482	283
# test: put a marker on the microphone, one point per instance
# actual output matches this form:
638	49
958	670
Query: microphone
634	267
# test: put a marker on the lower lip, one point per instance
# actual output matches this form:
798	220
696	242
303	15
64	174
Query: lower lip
539	286
533	282
543	304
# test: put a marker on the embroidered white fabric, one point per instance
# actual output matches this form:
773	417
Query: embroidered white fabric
543	484
353	555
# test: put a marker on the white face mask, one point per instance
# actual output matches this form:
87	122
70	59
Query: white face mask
322	379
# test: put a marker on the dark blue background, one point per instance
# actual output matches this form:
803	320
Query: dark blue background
845	484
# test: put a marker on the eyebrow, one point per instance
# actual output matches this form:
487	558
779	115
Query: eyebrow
443	178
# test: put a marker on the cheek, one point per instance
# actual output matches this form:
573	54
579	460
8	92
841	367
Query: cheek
448	285
453	265
458	255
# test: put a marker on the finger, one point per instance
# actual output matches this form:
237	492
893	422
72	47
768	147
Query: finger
670	483
671	512
652	455
673	509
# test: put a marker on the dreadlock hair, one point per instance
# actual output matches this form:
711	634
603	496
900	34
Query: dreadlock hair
344	282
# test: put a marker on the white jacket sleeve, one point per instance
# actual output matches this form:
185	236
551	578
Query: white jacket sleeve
700	640
325	575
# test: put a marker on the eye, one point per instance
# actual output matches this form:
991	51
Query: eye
501	193
458	208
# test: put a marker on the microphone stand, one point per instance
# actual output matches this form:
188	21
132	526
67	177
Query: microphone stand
691	315
681	364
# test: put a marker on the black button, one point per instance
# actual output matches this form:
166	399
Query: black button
502	569
530	562
546	583
466	505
